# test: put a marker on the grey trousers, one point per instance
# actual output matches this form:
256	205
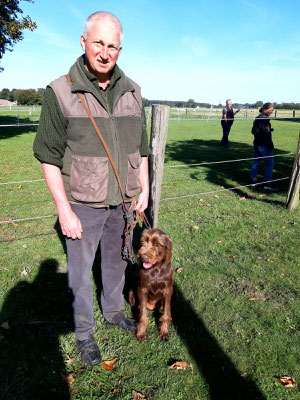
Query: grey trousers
104	225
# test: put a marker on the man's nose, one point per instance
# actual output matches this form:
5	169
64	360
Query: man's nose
104	53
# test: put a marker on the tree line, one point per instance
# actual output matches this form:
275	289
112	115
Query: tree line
23	96
35	97
193	104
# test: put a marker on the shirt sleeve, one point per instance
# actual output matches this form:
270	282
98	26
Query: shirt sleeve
144	148
51	138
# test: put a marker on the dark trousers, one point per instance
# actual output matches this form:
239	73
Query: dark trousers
226	126
104	225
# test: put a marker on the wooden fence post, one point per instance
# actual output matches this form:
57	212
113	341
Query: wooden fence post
159	130
293	192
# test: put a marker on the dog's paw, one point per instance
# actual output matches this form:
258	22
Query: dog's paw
164	336
141	338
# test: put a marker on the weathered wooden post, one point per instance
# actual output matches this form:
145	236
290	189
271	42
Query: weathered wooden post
293	192
159	130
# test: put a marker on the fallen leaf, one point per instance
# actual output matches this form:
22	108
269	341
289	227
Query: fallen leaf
24	272
69	361
216	196
196	227
178	365
179	270
137	395
233	257
25	246
109	365
68	378
252	194
242	198
252	298
19	187
283	227
5	269
262	195
201	200
287	381
208	205
219	241
5	325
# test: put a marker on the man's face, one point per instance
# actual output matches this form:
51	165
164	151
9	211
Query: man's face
102	48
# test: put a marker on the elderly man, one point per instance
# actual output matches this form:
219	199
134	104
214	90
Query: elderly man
227	121
80	177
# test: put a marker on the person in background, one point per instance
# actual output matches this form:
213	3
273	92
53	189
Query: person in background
227	121
263	145
81	180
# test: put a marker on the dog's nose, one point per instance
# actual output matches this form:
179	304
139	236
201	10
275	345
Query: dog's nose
144	257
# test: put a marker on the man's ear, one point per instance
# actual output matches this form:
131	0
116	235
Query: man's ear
82	42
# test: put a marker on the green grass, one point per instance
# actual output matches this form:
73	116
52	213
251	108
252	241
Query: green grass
232	246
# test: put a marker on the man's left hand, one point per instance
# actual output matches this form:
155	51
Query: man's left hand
142	202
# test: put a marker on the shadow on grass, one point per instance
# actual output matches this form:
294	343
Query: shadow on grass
11	131
226	174
223	379
31	362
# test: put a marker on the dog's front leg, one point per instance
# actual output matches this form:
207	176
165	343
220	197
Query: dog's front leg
143	319
165	319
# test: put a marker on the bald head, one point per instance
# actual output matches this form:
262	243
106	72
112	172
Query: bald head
103	16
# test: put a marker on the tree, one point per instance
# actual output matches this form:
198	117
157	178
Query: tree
258	104
5	94
190	103
11	25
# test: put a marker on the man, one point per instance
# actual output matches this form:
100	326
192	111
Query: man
227	121
81	179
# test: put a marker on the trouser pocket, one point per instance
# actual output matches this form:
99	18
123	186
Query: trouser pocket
89	178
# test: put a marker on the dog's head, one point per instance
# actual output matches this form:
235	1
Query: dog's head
156	246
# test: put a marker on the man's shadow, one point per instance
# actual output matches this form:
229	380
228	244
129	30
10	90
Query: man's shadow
31	363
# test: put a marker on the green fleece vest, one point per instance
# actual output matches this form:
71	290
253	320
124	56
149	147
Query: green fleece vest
87	173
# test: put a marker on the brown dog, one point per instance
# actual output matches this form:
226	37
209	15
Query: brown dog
155	286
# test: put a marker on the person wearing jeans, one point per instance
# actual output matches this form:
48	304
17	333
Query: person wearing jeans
263	145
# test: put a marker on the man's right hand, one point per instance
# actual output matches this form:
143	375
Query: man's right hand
70	224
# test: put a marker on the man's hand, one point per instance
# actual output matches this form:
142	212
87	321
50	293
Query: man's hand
70	224
142	202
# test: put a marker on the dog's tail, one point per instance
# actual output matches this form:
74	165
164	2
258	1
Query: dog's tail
131	298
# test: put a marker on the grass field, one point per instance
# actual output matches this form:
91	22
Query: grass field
236	304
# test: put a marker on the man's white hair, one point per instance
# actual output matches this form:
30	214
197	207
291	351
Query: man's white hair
102	15
228	100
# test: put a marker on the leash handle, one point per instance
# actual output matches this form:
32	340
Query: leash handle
104	145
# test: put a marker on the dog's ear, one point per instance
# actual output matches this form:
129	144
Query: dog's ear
169	248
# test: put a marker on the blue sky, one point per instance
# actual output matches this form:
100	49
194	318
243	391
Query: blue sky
176	50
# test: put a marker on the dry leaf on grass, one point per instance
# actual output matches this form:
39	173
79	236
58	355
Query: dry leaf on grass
5	325
252	299
69	361
137	395
25	246
179	270
196	227
242	198
178	365
219	241
287	381
68	378
109	365
262	195
24	272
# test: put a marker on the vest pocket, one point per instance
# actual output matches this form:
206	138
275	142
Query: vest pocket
89	178
133	171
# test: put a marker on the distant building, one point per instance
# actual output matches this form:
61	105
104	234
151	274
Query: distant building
4	102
